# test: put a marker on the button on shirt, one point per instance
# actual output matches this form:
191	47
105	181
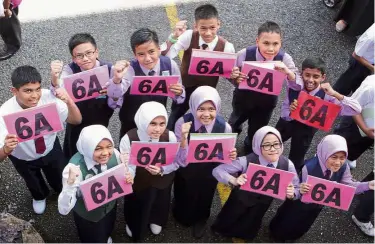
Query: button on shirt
26	150
365	45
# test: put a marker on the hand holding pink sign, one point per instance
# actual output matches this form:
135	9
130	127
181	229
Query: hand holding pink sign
267	181
262	78
153	153
34	122
211	63
87	84
153	85
328	193
105	187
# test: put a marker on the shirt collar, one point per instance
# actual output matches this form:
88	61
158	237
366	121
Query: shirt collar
264	162
211	45
156	68
313	92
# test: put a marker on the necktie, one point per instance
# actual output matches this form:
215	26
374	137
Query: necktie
40	145
204	46
202	129
151	73
99	168
270	165
327	175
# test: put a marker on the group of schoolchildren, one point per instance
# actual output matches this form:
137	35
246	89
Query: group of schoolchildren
89	146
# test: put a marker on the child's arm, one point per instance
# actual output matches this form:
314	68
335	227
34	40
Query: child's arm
183	42
295	182
178	89
349	106
125	149
74	115
121	77
72	176
358	119
224	172
347	179
10	143
364	62
236	77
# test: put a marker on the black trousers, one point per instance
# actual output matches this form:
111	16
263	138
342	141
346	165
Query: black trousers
10	31
52	166
356	143
178	110
301	136
352	78
95	232
254	107
148	206
365	208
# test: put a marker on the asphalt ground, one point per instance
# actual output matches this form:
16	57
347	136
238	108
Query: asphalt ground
308	30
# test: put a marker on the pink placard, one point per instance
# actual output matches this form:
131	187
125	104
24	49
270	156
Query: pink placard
328	193
153	153
211	63
267	181
34	122
153	85
87	84
262	80
207	151
105	187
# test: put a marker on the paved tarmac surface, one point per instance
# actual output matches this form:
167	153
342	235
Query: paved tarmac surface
308	31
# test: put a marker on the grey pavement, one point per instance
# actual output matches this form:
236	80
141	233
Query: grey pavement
308	31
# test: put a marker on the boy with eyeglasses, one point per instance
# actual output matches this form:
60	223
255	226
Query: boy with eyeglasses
84	51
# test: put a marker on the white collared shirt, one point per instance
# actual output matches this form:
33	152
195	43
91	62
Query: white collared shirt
26	150
365	45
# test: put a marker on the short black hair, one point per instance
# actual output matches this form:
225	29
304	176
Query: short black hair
206	11
314	63
141	36
25	74
80	38
269	27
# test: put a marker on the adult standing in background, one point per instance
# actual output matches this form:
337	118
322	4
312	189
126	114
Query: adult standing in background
355	16
10	29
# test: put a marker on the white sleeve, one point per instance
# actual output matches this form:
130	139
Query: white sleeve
172	137
67	198
182	43
3	132
125	148
229	48
130	167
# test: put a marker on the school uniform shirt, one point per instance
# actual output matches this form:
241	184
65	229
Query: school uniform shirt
330	145
365	45
349	106
145	114
183	43
365	97
26	150
88	140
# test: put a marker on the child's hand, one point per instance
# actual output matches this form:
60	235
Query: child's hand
327	88
63	95
185	129
280	66
371	185
176	89
10	143
179	29
293	106
8	13
56	69
233	154
290	191
74	172
129	178
304	188
119	70
369	132
237	75
103	92
153	169
241	180
124	158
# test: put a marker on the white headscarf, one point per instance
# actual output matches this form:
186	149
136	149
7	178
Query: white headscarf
146	113
259	136
89	139
330	145
203	94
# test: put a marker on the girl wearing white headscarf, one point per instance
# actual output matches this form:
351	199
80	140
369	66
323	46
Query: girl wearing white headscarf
96	153
294	219
149	203
242	214
194	185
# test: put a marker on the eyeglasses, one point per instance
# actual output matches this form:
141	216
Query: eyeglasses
268	147
88	54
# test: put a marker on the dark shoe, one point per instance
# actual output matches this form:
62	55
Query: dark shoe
7	54
199	229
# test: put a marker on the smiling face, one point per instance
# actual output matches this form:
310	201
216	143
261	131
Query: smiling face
147	54
269	44
335	161
103	151
271	148
206	113
156	127
207	28
312	78
28	95
85	55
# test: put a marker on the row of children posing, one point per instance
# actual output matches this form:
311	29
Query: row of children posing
195	184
